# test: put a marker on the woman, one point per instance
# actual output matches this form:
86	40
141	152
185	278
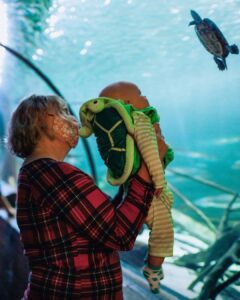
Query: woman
70	229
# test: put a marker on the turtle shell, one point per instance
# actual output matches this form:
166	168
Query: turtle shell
212	38
113	126
115	145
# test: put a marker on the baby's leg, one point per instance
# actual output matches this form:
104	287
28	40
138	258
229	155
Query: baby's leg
159	221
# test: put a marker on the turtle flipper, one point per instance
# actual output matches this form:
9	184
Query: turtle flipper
85	131
192	23
195	16
234	49
221	63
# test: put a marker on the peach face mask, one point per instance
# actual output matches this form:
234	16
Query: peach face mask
66	128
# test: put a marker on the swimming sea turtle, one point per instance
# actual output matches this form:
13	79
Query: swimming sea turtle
213	40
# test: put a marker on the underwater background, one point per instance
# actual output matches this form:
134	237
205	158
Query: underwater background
84	45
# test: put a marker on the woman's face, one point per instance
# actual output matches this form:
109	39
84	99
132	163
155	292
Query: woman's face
64	126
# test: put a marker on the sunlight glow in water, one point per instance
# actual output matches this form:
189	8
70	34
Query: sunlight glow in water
3	35
84	45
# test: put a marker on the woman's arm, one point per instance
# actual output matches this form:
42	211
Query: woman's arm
118	198
91	212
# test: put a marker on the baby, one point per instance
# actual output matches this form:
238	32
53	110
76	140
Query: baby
159	219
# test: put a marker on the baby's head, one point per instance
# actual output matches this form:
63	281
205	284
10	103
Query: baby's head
126	91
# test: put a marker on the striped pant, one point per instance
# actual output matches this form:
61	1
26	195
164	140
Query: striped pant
159	221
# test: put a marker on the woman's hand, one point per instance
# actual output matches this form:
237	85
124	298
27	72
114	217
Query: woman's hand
143	172
158	192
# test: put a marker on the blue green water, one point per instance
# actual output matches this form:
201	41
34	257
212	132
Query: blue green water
84	45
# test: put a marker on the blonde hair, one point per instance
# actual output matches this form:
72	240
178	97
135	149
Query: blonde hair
27	123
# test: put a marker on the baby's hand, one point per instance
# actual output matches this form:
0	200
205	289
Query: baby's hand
157	192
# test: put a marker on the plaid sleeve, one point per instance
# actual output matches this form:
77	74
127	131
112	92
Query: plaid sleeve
76	198
118	198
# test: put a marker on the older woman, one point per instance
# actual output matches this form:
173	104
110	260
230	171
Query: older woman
70	229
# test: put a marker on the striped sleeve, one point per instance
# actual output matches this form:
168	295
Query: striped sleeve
145	137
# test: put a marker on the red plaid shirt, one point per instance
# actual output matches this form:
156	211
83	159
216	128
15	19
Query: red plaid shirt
72	232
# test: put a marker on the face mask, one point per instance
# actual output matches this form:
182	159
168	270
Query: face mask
66	127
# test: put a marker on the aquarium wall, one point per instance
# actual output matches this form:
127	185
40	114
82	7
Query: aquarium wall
81	46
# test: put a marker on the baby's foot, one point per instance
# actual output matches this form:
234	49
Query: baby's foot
153	276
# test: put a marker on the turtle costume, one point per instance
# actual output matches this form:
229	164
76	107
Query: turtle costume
118	127
113	123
